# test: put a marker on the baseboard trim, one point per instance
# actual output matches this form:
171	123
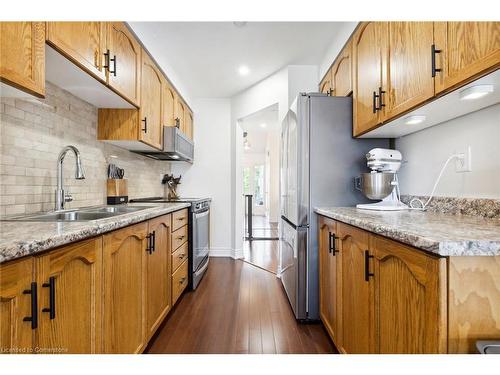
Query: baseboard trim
224	252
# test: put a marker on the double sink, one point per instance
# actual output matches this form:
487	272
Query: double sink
82	214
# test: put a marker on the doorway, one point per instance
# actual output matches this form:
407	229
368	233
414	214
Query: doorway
260	185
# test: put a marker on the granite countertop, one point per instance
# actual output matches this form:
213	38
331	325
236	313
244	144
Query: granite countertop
21	238
437	233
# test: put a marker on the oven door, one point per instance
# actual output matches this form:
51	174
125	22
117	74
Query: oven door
201	227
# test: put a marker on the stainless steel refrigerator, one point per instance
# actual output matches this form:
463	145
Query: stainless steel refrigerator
319	160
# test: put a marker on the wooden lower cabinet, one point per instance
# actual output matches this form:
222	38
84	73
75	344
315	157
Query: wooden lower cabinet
124	289
158	271
70	298
16	333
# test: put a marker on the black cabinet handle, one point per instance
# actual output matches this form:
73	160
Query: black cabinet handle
149	248
145	121
34	306
375	96
330	242
367	265
106	60
433	60
153	241
380	98
52	297
332	246
114	64
177	122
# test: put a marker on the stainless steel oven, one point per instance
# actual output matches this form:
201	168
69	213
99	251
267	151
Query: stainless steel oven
200	224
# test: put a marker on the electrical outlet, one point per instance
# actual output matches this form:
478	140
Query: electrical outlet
464	163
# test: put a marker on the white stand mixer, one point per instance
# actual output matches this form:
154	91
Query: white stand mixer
382	182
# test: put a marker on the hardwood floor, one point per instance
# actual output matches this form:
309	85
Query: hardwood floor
263	254
238	308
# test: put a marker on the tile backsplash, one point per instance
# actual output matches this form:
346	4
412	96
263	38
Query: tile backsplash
33	132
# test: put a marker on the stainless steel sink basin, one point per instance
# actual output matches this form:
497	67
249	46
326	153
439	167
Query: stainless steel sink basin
82	214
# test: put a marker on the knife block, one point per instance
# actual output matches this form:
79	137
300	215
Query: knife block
117	190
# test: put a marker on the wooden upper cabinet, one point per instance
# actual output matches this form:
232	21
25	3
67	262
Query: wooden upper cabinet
188	123
151	103
325	86
342	72
82	42
410	299
22	56
368	46
124	252
468	49
158	271
330	307
407	69
124	62
358	334
70	301
16	334
168	104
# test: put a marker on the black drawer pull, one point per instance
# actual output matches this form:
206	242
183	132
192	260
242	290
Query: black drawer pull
114	64
433	60
145	121
374	107
367	266
333	245
34	306
380	98
153	241
52	297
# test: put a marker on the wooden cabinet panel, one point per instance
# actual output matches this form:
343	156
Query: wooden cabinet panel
73	321
407	72
180	110
22	56
16	335
179	256
410	297
124	261
325	86
473	301
330	306
168	104
179	281
468	49
179	237
342	72
368	46
158	271
151	102
358	335
124	72
179	219
82	42
188	123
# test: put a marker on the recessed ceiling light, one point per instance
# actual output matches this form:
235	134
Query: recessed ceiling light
263	125
415	119
475	92
243	70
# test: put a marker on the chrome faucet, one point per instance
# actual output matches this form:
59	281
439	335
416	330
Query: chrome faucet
61	197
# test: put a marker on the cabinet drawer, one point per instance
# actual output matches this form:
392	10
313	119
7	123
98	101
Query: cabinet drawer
179	281
179	219
179	256
179	237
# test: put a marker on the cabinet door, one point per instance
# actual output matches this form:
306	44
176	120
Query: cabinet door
158	271
125	69
330	307
410	298
342	72
180	110
468	50
82	42
368	45
22	56
357	291
188	123
151	101
124	255
168	101
325	86
16	334
407	72
71	298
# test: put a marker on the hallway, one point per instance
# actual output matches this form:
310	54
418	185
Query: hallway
237	308
262	253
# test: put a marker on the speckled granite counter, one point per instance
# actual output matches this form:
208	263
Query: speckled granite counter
21	238
441	234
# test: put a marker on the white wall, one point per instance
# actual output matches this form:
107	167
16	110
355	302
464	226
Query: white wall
210	175
335	47
427	150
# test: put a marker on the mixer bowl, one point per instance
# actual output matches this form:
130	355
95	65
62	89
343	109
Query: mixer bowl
376	185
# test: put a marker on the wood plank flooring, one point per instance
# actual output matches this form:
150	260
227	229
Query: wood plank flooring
263	254
238	308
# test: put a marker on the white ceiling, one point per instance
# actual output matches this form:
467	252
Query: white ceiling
257	134
206	55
